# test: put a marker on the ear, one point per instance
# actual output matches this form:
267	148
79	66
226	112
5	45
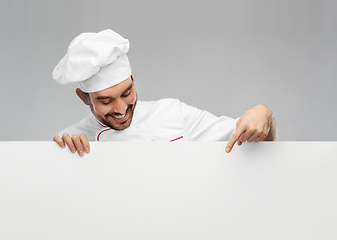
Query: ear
82	96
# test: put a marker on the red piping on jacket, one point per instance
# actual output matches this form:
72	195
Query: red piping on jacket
110	129
100	123
102	132
177	139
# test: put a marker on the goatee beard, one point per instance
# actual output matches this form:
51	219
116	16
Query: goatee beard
130	110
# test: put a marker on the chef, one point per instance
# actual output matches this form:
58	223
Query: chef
99	64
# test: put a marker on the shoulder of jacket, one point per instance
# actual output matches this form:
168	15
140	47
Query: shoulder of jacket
168	101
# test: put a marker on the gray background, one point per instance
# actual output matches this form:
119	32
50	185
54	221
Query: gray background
223	56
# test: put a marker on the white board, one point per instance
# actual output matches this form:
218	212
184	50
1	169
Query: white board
186	190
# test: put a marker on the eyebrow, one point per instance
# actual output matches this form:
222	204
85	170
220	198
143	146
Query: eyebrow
131	85
102	97
107	97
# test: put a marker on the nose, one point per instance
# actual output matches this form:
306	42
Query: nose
119	106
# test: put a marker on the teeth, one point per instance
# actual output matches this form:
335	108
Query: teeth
120	116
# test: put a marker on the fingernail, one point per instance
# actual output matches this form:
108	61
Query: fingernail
73	150
228	149
81	153
87	149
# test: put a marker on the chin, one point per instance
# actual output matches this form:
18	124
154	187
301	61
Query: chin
123	125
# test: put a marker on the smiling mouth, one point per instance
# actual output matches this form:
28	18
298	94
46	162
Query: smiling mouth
120	118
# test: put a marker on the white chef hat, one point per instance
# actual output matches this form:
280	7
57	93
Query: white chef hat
95	60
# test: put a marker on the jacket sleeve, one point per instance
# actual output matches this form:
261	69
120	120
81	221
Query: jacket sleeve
87	126
201	125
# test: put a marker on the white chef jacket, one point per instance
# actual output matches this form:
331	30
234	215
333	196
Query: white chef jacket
163	120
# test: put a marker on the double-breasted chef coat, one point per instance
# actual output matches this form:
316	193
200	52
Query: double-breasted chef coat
162	120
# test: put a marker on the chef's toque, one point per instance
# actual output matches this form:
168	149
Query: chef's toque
95	60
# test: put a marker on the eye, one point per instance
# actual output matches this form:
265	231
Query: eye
126	93
105	102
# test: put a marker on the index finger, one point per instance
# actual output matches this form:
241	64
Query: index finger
236	135
85	143
59	141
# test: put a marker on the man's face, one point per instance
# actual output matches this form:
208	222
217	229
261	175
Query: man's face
114	106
